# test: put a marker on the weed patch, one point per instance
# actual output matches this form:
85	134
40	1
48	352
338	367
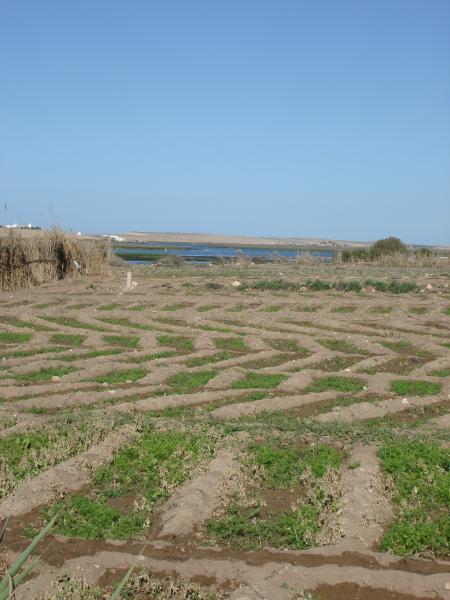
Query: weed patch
44	374
191	381
339	384
415	388
231	344
182	344
129	341
285	345
421	476
10	337
125	492
75	323
258	380
199	361
281	468
68	339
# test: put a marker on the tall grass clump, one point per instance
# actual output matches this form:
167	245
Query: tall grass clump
30	260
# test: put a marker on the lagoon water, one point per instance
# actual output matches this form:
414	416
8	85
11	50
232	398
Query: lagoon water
200	252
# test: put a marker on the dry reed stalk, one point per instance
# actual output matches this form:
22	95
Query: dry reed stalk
28	261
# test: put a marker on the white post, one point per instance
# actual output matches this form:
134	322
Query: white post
128	280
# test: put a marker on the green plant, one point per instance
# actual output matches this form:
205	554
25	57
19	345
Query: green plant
389	245
130	341
344	309
75	323
45	374
111	306
406	348
421	476
191	380
67	339
415	388
15	573
340	384
286	345
199	361
258	380
10	337
146	470
182	344
231	344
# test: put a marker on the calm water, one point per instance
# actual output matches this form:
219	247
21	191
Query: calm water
197	251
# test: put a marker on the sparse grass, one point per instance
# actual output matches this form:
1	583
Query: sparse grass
111	306
282	465
175	307
129	341
339	384
271	361
207	307
68	339
44	374
237	308
24	455
231	344
336	363
191	381
445	372
258	380
402	365
415	388
118	377
122	322
281	468
125	492
447	311
11	337
15	322
92	354
405	347
272	308
199	361
344	309
421	476
216	329
418	310
75	323
381	310
79	306
34	352
307	308
151	357
181	343
341	346
286	345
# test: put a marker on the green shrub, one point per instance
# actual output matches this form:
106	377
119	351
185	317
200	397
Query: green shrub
389	245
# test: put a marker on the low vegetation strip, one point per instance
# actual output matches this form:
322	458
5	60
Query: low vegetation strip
287	507
124	493
421	478
317	285
26	455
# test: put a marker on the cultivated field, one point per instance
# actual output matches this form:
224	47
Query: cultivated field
280	439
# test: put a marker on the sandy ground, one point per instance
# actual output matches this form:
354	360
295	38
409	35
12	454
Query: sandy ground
172	303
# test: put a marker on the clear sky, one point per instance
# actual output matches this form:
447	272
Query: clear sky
316	118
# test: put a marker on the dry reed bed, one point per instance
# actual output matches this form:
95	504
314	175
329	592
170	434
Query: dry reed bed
28	261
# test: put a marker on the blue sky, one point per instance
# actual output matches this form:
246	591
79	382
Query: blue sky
318	118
